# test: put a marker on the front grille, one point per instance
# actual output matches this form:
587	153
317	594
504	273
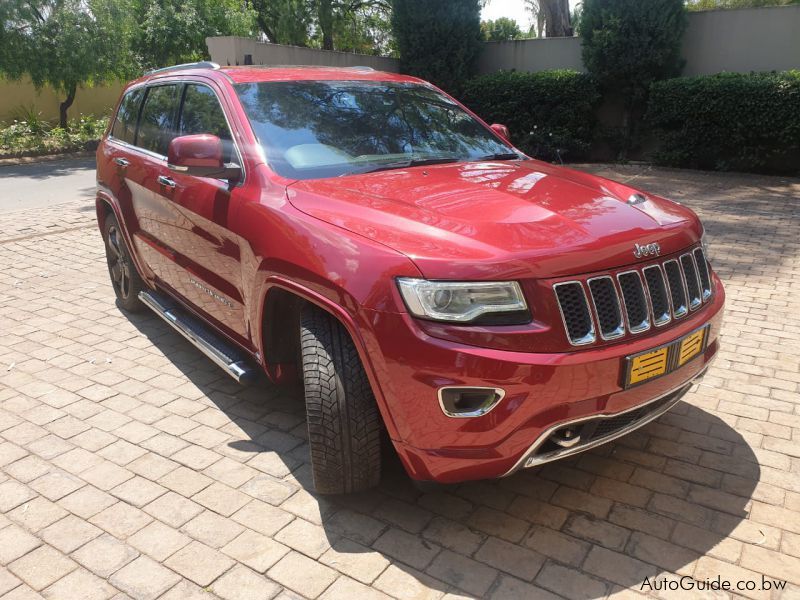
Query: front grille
575	312
654	294
635	301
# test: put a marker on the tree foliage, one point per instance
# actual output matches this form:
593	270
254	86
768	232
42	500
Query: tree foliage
171	32
629	44
65	44
715	4
500	30
439	41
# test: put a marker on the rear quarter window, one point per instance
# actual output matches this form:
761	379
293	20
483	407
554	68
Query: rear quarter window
124	128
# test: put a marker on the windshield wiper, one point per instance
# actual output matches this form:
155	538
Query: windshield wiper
499	156
414	162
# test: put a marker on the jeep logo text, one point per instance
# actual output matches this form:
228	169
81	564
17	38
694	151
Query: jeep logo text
640	251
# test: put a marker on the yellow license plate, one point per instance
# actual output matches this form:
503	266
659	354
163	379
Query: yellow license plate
654	363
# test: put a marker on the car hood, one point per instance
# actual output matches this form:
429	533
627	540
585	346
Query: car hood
498	219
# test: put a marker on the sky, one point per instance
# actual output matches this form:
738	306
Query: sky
513	9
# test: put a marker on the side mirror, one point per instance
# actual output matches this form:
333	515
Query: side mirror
501	130
201	156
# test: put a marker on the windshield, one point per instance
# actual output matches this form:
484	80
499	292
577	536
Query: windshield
314	129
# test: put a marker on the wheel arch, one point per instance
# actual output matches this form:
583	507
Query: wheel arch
280	294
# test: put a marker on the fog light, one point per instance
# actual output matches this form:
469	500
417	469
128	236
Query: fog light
463	402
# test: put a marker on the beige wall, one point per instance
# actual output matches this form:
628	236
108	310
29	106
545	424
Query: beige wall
231	50
92	101
741	40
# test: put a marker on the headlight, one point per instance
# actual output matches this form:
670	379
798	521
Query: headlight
464	302
704	243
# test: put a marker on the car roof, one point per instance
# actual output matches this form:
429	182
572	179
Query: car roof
259	73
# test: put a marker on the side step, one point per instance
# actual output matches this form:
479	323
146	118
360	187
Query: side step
208	342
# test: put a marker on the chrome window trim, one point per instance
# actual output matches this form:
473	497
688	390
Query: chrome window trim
161	157
645	325
620	329
692	305
661	273
677	315
589	338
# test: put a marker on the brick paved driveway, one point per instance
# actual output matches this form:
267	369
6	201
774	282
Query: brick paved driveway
132	467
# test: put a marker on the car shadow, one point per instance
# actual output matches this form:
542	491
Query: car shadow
645	507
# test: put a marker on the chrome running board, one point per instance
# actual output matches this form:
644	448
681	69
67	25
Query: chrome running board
209	343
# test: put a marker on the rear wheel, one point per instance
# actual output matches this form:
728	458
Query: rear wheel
344	425
124	277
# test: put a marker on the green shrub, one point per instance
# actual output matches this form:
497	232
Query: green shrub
549	114
729	121
30	135
438	40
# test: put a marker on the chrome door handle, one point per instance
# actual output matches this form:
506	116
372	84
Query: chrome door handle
166	181
122	162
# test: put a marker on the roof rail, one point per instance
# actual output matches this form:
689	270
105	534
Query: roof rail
360	68
206	64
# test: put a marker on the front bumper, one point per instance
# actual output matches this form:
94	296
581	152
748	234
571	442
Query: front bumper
542	390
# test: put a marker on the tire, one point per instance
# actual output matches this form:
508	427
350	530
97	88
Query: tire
124	276
344	425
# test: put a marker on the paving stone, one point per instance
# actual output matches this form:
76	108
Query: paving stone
144	579
7	581
406	548
104	555
41	567
79	585
69	533
259	552
173	509
199	563
15	542
357	561
301	574
212	529
262	517
138	491
185	482
312	540
37	514
121	520
240	582
87	501
462	572
345	588
14	493
158	541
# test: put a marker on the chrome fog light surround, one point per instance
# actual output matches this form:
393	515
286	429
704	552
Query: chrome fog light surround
475	401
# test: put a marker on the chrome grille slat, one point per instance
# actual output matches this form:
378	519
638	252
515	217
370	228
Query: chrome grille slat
634	301
702	269
677	289
659	299
574	308
692	281
607	309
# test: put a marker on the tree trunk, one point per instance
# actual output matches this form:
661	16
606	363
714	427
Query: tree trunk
556	18
325	18
64	106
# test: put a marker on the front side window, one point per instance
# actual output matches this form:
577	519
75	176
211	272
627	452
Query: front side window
202	113
124	128
313	129
157	123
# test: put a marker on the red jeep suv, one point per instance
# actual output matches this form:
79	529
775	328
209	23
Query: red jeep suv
429	283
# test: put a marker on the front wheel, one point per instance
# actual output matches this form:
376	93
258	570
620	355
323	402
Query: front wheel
124	276
344	425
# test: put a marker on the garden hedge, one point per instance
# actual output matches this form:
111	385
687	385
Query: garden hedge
549	113
729	121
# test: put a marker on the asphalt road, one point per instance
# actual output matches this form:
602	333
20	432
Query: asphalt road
46	183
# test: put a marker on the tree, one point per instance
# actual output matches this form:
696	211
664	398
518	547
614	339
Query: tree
552	17
331	13
629	44
65	44
501	30
171	32
439	41
284	21
713	4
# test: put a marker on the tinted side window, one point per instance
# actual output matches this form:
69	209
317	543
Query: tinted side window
202	113
156	125
125	124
